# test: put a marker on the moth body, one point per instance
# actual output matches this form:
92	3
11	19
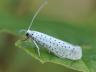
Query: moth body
58	47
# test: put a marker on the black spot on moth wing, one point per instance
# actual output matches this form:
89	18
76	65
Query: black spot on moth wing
32	34
55	48
43	39
52	49
59	42
63	43
41	35
53	43
73	50
45	36
62	46
65	47
38	35
55	40
49	47
69	47
40	38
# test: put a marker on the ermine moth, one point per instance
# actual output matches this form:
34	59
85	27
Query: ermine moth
58	47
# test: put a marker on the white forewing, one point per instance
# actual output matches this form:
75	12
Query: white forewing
60	48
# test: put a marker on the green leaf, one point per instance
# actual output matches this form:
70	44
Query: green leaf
46	57
76	35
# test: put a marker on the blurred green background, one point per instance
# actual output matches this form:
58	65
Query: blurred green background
69	20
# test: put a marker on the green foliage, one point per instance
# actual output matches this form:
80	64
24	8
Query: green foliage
46	57
76	35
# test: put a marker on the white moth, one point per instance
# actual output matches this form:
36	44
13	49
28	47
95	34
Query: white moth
58	47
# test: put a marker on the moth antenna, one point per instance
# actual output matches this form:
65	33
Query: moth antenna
42	5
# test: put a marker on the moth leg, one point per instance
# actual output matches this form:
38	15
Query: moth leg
37	47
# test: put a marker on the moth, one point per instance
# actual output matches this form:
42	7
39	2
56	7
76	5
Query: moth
61	49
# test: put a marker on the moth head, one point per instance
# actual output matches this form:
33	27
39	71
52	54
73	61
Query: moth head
28	33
